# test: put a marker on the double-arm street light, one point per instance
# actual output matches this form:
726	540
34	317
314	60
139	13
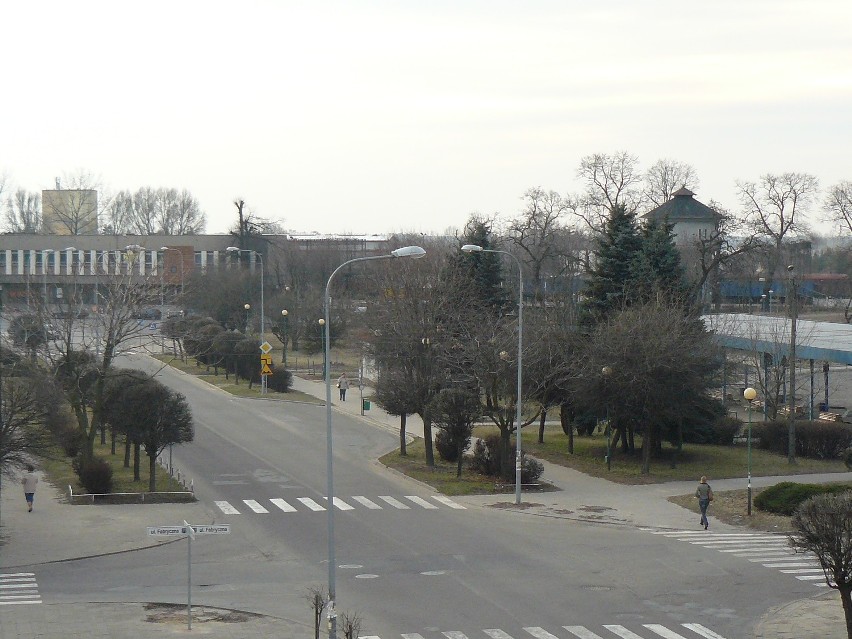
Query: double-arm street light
473	248
405	251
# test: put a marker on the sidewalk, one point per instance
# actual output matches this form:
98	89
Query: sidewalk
29	539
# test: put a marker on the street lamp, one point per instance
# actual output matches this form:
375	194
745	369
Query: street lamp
607	371
286	317
248	308
770	301
473	248
405	251
234	249
749	394
44	261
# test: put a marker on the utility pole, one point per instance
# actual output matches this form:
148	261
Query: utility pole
791	400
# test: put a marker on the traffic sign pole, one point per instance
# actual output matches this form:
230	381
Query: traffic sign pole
190	531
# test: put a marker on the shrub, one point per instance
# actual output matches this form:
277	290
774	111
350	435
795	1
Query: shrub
847	458
446	446
95	474
280	381
720	432
822	440
784	498
486	456
817	439
531	470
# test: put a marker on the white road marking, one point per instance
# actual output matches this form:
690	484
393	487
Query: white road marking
393	502
802	571
811	577
339	503
448	502
809	564
310	503
582	632
623	632
226	508
256	507
421	502
701	630
369	503
496	633
283	505
540	633
663	631
452	634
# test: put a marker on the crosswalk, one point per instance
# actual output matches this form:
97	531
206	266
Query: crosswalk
18	588
768	549
607	631
308	504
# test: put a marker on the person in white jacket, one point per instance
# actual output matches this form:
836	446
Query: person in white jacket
29	482
343	385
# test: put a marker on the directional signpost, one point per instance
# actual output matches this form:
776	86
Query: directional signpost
190	531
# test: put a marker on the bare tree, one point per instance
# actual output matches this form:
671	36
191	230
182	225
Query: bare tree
774	209
838	205
667	176
183	216
610	180
119	215
74	208
541	235
317	597
146	211
23	212
823	526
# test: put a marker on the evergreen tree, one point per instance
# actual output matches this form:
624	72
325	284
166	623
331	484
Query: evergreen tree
612	272
484	269
657	268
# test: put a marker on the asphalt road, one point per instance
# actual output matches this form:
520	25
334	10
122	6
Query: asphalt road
408	563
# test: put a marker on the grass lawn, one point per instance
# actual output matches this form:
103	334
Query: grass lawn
717	462
59	472
443	476
229	385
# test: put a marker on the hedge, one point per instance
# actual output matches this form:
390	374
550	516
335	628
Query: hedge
784	498
816	439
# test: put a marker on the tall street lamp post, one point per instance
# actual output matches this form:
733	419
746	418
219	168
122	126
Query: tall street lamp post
406	251
749	394
247	306
473	248
607	371
286	317
235	249
791	407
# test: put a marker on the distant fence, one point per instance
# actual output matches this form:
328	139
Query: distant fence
130	498
160	497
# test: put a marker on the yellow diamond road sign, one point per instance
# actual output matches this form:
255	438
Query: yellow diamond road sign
265	347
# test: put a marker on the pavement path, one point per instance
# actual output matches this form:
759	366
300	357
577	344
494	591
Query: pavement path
27	539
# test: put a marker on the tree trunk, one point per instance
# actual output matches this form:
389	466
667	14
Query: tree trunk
846	599
152	473
402	420
126	452
647	444
427	442
460	453
136	455
506	460
541	425
112	438
565	419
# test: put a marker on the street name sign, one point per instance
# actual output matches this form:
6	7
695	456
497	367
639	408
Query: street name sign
174	531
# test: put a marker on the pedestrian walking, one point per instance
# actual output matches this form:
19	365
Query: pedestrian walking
705	495
29	482
343	385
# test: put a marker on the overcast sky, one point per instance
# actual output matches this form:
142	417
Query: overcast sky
374	117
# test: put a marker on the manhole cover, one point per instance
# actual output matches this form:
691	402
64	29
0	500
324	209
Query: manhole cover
597	588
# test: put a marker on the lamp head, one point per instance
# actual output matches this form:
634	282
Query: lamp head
321	321
284	312
749	393
791	267
233	249
409	251
471	248
247	306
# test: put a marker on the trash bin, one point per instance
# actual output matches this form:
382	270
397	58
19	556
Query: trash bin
365	404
